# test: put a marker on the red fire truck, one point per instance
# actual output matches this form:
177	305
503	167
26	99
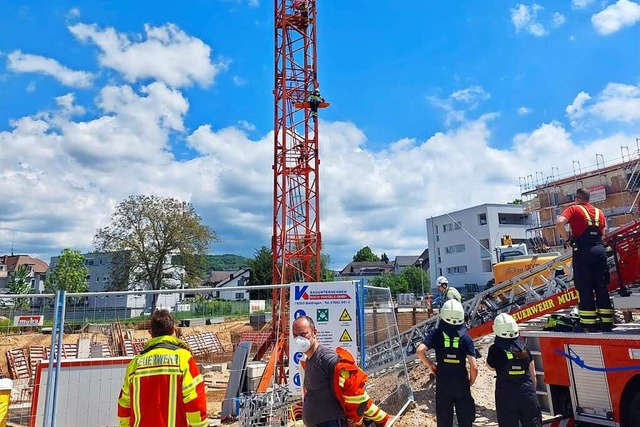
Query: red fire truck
595	378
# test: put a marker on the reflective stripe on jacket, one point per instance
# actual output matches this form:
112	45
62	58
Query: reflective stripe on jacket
349	386
163	387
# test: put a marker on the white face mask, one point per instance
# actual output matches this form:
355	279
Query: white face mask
301	344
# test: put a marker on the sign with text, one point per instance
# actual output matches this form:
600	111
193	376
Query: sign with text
28	320
332	307
598	194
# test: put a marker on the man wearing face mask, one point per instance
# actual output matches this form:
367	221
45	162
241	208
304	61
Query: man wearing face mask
333	384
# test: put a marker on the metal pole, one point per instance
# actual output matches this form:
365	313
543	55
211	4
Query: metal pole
361	294
50	385
58	356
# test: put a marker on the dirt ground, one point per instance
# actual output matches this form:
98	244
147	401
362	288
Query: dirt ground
423	412
420	414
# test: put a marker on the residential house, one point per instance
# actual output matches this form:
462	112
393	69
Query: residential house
233	280
357	270
37	271
403	261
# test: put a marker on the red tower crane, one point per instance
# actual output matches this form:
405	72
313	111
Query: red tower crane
296	241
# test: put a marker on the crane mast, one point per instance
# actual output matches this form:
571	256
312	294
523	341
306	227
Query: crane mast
296	242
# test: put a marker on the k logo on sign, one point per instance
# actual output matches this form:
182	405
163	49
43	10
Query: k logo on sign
322	315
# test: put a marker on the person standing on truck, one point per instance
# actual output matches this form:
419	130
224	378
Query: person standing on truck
448	292
453	347
590	271
516	400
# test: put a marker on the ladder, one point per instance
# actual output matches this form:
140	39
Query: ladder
531	294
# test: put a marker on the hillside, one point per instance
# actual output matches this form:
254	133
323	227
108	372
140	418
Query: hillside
226	262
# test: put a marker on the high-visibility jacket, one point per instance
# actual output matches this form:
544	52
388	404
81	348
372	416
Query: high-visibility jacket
163	387
349	386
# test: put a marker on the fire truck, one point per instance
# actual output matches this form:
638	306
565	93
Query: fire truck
595	378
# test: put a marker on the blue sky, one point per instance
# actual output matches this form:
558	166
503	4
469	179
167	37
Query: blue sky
435	107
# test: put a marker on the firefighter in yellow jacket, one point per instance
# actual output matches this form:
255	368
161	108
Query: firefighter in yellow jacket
163	386
334	386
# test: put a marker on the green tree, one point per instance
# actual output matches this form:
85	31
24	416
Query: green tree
365	254
416	277
19	284
326	275
396	283
152	230
261	267
68	274
516	202
384	258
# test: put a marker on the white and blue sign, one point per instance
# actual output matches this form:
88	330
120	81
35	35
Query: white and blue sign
333	308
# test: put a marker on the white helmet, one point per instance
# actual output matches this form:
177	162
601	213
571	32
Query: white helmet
452	312
574	313
442	280
505	326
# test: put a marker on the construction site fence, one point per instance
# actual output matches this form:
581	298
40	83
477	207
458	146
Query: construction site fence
93	342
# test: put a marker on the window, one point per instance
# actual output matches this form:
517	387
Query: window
556	198
239	295
105	279
485	253
1	267
88	261
458	225
482	219
101	261
33	283
440	271
88	277
454	249
460	269
97	279
452	226
486	266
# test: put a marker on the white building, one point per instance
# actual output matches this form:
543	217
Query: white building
99	277
456	240
235	279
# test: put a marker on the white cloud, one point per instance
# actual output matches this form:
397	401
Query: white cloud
167	54
581	4
623	13
243	124
558	19
31	87
619	103
19	62
460	102
239	81
524	18
73	13
523	111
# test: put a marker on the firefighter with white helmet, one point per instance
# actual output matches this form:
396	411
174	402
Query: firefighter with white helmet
453	348
516	400
448	292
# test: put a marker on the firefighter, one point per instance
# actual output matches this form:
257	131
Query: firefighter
162	385
516	400
590	270
334	385
448	292
314	101
453	347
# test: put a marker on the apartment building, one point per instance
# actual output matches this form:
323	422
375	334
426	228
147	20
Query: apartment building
100	274
461	243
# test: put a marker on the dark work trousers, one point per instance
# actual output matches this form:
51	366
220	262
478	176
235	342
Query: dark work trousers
517	406
589	275
454	391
